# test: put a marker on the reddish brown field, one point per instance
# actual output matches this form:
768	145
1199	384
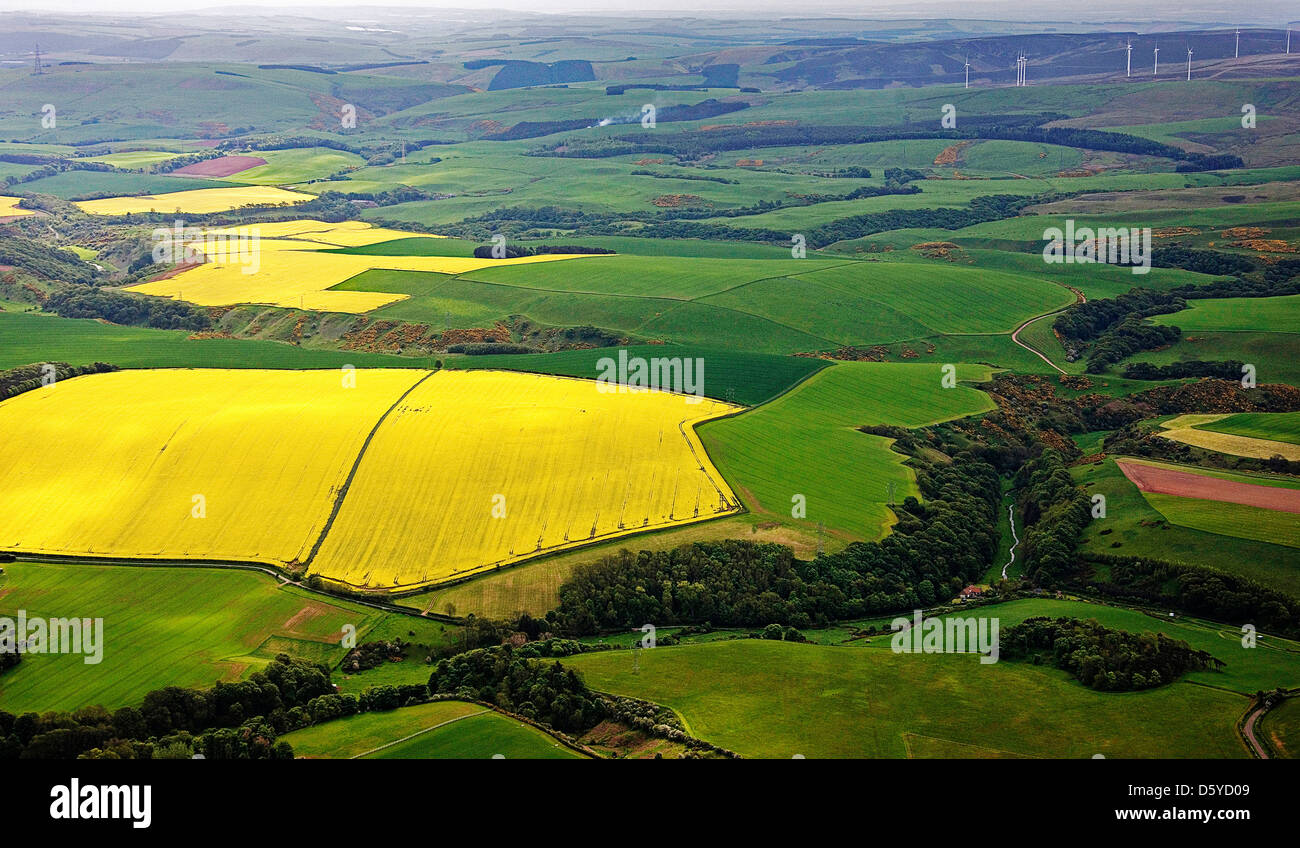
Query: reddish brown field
1166	481
223	167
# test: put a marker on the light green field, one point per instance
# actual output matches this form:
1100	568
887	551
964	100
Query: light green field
299	165
805	443
1229	519
1239	314
778	699
133	159
353	736
168	626
485	736
1277	426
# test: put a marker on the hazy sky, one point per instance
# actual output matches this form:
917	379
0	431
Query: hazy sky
1093	12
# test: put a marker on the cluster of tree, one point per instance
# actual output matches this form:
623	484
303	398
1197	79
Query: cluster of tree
129	310
1196	590
44	260
1224	370
514	251
1101	657
1090	320
545	692
1054	511
24	378
370	655
253	709
9	659
777	633
935	548
1130	336
1213	262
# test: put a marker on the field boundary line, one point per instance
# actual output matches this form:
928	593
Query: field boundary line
419	733
356	463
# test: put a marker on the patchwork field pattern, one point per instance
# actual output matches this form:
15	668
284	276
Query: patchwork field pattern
294	267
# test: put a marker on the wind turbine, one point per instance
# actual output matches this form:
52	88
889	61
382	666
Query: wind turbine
1128	65
1189	64
1288	41
1236	48
1156	71
968	72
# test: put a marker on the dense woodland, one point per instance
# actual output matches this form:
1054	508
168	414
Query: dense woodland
1103	658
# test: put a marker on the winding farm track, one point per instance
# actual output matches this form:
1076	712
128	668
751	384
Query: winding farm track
1015	334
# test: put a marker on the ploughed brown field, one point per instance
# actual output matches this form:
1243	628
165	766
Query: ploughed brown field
1167	481
223	167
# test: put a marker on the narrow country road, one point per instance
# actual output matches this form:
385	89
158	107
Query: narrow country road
1248	731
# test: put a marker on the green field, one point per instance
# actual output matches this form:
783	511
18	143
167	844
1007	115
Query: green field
298	165
1229	519
1277	426
437	730
1281	726
133	159
167	626
805	443
1238	314
780	699
743	378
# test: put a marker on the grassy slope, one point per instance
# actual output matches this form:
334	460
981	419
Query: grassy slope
805	443
760	698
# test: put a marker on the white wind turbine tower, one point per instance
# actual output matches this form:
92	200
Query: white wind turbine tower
1236	48
1128	65
1156	71
968	72
1189	64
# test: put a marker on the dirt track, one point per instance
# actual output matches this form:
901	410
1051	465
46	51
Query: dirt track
1185	484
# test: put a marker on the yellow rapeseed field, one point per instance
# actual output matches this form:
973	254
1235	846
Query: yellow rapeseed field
1184	429
479	469
289	268
198	201
9	207
111	464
